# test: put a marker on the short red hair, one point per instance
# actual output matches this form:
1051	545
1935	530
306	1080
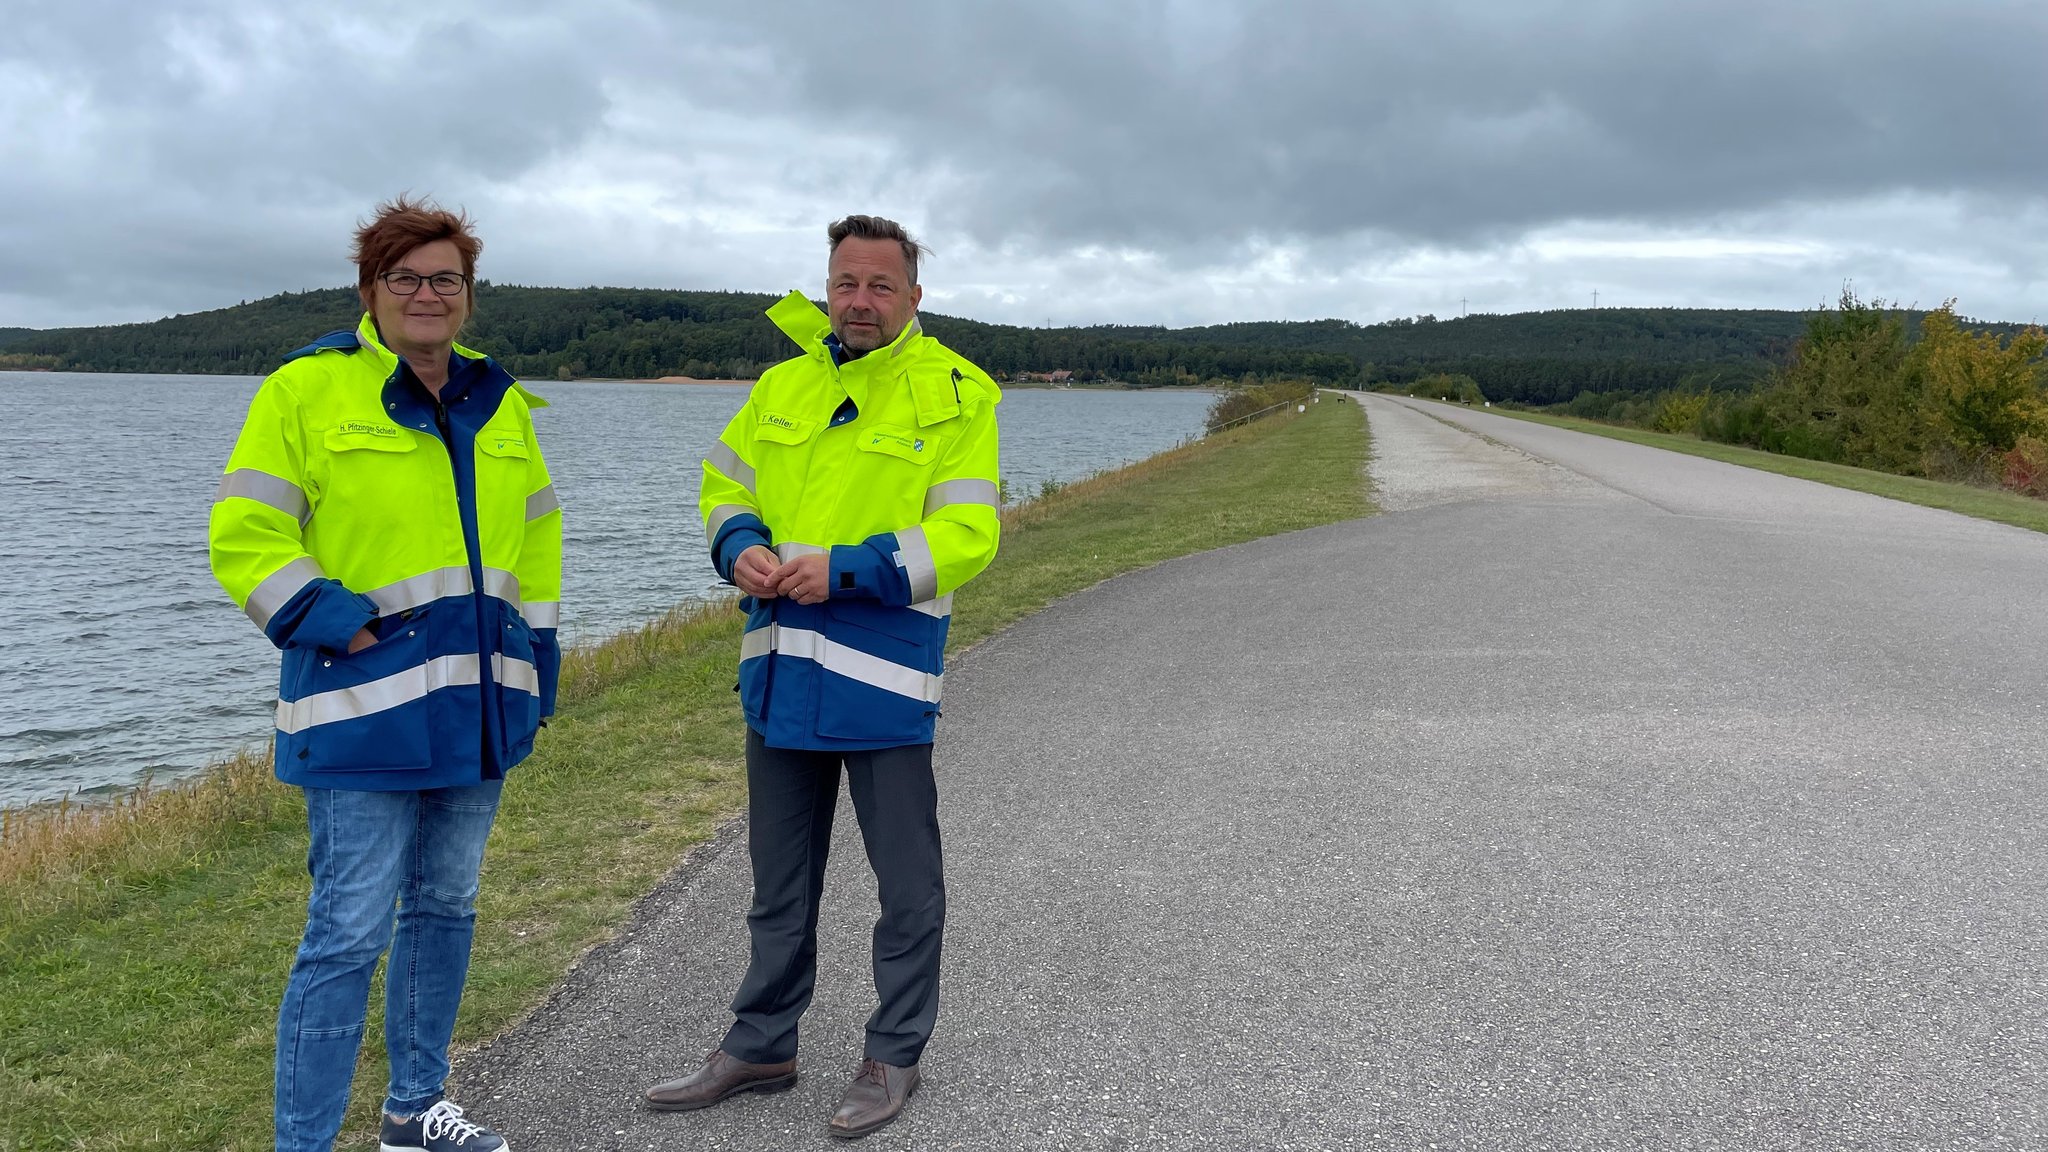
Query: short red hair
402	225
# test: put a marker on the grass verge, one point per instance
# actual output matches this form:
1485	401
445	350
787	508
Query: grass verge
1982	503
143	945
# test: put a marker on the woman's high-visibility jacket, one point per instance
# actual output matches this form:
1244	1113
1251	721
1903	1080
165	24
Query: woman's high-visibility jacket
888	463
354	499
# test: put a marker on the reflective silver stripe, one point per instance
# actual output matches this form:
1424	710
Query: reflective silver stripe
420	591
263	488
279	587
541	613
791	550
515	673
914	556
942	607
961	492
542	502
427	587
720	515
502	584
378	695
728	461
804	644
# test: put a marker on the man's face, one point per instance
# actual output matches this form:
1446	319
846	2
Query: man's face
868	292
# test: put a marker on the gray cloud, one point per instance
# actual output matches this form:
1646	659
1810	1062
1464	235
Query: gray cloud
1450	122
1171	161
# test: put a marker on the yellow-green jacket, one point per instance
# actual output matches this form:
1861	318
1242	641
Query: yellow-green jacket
888	463
354	499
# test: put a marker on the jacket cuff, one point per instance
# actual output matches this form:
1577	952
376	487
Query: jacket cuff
868	571
738	534
323	614
547	661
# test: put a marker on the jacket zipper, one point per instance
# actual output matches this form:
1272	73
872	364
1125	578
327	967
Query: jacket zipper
483	656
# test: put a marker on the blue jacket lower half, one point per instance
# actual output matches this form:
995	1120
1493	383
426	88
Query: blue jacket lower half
842	675
450	695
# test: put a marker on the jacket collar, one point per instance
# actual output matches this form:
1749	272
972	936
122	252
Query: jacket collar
495	378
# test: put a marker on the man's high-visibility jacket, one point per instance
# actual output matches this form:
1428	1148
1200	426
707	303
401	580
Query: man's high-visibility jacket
354	499
887	462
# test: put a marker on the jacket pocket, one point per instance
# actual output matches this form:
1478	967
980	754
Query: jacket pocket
876	688
503	472
369	711
503	443
898	635
915	446
350	435
516	680
782	428
359	477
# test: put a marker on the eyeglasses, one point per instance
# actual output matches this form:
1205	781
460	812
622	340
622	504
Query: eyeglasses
407	283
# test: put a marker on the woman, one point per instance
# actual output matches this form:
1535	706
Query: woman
387	520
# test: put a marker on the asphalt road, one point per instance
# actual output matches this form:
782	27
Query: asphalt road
1589	797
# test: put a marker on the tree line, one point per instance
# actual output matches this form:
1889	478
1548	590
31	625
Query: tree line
1875	386
1534	358
632	333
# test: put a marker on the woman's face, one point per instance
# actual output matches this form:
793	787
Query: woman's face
423	318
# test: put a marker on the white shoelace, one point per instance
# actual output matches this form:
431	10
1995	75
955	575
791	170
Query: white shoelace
445	1119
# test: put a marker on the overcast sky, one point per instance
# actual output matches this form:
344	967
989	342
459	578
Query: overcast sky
1172	161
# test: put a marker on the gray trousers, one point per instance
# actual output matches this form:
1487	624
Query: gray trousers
791	797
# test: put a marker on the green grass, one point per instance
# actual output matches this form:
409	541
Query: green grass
143	947
1982	503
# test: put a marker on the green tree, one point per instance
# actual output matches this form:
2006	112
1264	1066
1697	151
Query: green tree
1982	393
1850	393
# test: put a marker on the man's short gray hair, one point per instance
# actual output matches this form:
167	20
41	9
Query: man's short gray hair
878	228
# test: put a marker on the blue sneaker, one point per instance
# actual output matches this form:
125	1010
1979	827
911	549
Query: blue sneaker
439	1129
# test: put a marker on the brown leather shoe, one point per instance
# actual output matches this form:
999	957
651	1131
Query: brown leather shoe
875	1097
720	1077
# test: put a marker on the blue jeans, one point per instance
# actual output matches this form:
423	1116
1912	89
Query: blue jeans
379	858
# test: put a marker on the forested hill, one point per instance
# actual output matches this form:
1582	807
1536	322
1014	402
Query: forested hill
551	333
558	333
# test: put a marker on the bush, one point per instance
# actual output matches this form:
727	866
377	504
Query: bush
1804	441
2026	467
1743	420
1252	400
1981	394
1458	389
1678	412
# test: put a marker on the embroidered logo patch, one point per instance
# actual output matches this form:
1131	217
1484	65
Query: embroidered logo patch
915	445
366	428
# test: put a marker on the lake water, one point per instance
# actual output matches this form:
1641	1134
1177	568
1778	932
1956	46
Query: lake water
124	658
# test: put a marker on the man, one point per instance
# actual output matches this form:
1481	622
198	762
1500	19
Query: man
848	499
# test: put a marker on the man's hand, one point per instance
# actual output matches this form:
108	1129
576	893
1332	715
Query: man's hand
755	572
806	579
361	640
